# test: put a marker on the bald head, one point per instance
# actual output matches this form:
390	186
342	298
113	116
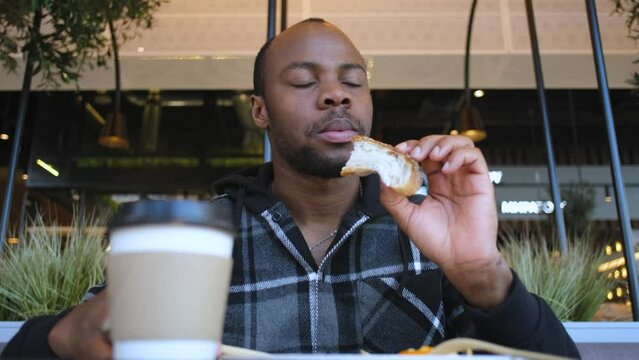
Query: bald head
300	30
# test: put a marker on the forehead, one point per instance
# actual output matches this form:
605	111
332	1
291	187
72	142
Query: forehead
318	43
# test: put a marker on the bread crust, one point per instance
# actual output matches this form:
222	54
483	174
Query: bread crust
408	188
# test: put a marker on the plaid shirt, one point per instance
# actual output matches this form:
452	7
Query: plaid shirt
281	301
373	290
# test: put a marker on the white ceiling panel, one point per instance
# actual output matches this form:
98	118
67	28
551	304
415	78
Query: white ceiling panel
210	44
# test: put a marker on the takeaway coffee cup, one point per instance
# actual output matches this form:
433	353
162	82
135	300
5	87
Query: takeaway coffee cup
168	271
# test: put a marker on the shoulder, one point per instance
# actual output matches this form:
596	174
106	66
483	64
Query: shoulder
222	201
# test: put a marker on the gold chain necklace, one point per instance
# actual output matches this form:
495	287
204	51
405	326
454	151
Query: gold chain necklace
329	236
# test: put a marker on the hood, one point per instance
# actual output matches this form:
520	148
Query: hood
250	187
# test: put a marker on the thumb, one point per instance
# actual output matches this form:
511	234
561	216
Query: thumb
397	205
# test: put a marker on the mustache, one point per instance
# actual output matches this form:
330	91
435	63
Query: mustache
332	115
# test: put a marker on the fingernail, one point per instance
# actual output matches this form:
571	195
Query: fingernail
435	150
416	151
402	147
446	165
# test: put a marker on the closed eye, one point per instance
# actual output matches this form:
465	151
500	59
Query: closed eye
303	85
351	84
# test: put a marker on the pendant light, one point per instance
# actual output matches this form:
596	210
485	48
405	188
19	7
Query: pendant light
468	121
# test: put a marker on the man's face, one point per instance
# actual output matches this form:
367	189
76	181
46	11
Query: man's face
316	98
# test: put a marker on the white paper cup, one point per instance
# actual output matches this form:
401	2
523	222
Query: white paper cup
168	271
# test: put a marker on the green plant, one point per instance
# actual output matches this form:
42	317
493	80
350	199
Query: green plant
580	200
58	39
47	272
630	10
570	283
68	34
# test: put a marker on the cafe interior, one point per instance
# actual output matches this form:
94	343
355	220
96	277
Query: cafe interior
174	115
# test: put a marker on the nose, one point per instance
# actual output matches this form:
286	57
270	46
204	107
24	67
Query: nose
334	95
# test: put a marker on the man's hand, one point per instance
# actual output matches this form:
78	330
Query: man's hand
456	225
79	334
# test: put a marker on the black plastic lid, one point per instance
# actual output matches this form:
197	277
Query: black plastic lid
149	212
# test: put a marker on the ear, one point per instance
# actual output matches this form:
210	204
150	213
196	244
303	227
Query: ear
259	112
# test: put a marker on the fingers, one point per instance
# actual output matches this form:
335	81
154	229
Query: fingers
471	159
397	205
79	335
434	146
97	347
446	153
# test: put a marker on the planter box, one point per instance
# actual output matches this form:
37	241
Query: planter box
595	340
603	332
605	340
7	330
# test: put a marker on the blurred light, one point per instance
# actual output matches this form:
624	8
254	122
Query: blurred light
496	176
618	246
619	292
608	250
224	102
150	130
4	136
613	264
25	177
627	303
95	115
624	273
114	132
608	198
468	123
454	132
12	240
609	296
617	273
479	93
122	198
140	49
102	98
48	167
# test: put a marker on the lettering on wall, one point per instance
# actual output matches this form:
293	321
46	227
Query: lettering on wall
529	207
495	176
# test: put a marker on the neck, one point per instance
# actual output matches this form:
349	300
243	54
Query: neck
314	200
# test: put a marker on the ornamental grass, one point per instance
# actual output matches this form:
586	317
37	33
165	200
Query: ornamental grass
49	269
570	282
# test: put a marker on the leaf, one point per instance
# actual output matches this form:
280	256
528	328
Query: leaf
570	283
75	39
47	272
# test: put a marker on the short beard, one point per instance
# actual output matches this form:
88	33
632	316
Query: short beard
309	162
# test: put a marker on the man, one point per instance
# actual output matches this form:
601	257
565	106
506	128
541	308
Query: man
325	263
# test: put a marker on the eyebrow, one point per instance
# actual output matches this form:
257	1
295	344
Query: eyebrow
312	66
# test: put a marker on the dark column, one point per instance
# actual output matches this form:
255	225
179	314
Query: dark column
615	163
552	173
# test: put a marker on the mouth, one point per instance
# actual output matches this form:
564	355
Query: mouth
337	131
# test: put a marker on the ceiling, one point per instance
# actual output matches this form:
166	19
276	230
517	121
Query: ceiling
409	44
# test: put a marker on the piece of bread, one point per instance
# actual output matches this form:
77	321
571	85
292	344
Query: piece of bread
396	170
